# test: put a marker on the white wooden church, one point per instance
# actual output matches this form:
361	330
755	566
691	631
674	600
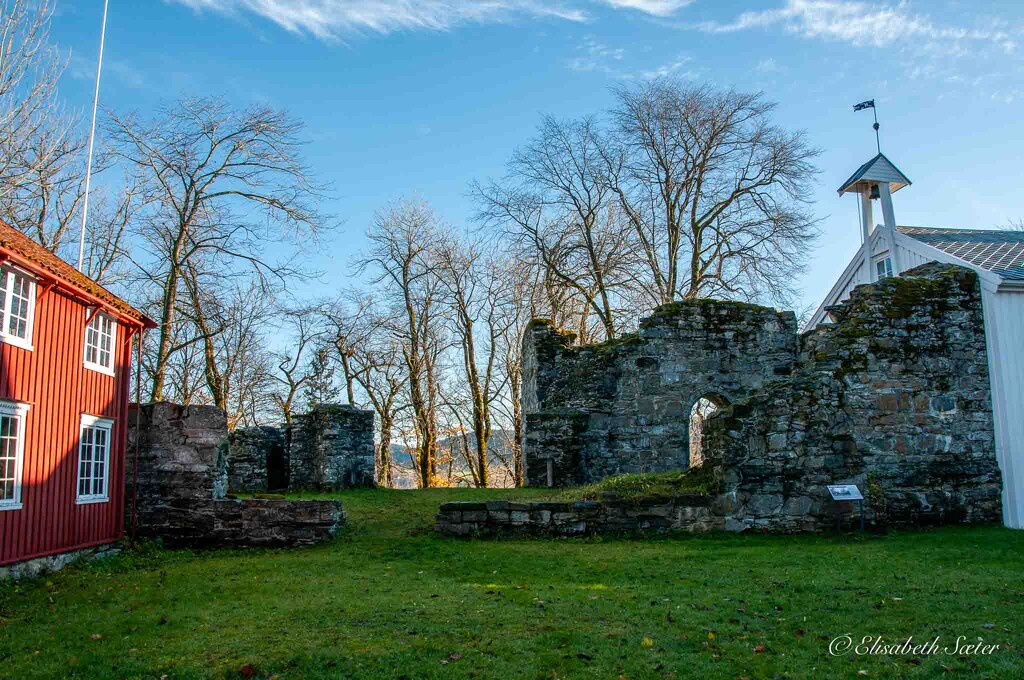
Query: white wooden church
997	256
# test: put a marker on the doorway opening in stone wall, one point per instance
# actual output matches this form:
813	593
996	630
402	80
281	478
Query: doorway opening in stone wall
702	409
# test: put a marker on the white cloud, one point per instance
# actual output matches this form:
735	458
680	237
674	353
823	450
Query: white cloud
863	24
658	8
327	19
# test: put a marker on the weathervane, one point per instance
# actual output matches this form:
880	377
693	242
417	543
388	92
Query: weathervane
870	104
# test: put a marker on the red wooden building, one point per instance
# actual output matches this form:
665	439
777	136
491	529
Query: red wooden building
65	355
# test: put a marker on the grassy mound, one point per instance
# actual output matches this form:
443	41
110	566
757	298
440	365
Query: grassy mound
644	486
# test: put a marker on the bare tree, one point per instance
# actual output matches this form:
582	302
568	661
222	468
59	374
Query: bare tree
520	293
716	194
401	258
477	311
31	125
228	323
208	170
379	370
321	387
305	332
372	360
557	206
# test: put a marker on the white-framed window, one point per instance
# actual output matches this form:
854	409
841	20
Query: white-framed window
94	460
100	335
12	453
17	307
883	268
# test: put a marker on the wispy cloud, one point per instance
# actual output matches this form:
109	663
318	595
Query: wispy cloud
331	19
593	55
678	68
658	8
863	24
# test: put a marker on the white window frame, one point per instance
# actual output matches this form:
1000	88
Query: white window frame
885	264
9	272
17	411
96	423
92	365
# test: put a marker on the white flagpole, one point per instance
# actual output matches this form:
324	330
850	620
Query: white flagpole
92	136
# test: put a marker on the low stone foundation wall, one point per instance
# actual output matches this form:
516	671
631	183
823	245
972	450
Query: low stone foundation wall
576	518
51	563
256	522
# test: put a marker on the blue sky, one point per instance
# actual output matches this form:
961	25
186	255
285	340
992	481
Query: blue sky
405	97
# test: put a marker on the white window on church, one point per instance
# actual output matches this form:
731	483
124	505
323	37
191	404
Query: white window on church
99	343
17	307
883	268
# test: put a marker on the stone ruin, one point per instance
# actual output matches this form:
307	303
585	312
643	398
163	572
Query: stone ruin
893	397
180	486
331	447
624	406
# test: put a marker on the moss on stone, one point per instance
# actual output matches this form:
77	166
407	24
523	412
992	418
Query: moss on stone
648	486
678	307
628	340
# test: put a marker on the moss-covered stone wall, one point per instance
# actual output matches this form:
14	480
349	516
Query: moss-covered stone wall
894	398
624	406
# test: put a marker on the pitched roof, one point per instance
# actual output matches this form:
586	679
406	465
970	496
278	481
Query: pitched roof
32	255
997	251
878	169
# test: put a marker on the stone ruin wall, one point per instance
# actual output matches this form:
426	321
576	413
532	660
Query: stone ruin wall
329	448
182	478
257	460
624	406
893	397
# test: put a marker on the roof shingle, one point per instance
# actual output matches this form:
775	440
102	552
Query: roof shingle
41	259
998	251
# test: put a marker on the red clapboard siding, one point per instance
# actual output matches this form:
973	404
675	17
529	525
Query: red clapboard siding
52	379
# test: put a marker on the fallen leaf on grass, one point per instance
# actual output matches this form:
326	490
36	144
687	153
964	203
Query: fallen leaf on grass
647	642
248	671
758	649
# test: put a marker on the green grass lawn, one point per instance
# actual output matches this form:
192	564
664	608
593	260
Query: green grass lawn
388	599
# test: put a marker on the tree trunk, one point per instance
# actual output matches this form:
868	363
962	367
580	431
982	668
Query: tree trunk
163	349
384	475
517	431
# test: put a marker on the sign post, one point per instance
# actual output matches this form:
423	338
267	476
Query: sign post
846	492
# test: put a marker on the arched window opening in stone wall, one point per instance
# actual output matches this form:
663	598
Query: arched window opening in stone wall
702	409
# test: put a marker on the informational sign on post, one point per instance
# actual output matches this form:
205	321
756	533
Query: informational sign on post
845	492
